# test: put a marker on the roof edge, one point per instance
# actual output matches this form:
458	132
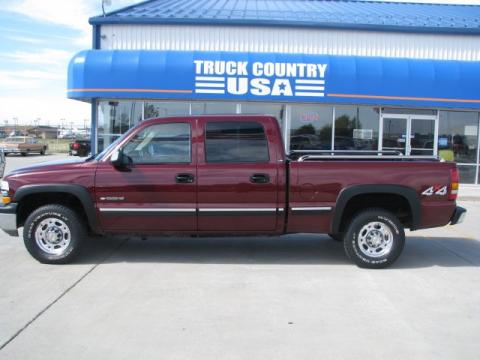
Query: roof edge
277	23
107	14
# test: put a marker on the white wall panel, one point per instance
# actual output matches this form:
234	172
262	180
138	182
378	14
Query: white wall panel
291	40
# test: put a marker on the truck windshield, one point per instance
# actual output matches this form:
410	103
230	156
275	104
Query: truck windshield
15	140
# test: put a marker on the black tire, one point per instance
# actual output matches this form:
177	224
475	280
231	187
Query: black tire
42	152
337	237
24	154
382	223
70	219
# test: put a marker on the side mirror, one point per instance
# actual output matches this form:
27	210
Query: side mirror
119	159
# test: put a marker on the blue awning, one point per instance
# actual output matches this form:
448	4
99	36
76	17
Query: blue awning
235	76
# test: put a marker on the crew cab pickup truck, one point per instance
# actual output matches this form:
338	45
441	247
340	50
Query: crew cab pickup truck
228	175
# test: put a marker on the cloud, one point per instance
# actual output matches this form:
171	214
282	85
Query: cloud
42	57
24	39
70	13
36	88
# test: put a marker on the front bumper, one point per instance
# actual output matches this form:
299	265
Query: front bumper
458	215
8	219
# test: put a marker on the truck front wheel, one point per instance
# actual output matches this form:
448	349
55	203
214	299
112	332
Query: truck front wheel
53	234
374	239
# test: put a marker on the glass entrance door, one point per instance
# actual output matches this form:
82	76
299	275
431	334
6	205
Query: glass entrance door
414	135
394	133
422	137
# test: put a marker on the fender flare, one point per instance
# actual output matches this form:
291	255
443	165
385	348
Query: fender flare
348	193
80	192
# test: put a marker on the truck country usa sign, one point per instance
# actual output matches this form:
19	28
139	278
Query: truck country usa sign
259	78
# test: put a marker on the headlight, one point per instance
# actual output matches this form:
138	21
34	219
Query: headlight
4	186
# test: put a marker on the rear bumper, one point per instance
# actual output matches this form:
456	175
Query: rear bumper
8	219
458	215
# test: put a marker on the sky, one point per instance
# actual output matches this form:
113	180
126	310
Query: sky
37	40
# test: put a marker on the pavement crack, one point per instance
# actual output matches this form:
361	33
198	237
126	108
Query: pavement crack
65	292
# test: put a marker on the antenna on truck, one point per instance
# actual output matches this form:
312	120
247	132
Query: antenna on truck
105	3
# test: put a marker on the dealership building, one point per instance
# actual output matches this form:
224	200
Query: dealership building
337	74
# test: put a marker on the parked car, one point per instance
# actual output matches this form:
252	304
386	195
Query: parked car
23	145
227	175
79	147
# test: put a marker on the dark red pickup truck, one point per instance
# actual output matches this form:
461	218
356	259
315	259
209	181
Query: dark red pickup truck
225	175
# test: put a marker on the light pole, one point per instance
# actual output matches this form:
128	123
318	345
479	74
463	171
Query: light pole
15	124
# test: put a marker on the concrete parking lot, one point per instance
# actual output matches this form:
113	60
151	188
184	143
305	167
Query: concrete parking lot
290	297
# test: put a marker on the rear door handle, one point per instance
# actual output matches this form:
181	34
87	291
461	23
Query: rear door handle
184	178
260	178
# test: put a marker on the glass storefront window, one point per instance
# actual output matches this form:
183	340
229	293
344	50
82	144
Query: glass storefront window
311	127
212	108
458	136
356	128
115	118
277	110
458	141
467	173
162	109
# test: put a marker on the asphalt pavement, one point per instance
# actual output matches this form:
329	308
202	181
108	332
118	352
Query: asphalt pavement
289	297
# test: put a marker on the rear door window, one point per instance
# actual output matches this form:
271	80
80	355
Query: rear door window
235	142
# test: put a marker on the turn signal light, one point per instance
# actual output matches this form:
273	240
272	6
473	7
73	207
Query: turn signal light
6	200
454	180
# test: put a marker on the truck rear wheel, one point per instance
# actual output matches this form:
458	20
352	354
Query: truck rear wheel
53	234
374	239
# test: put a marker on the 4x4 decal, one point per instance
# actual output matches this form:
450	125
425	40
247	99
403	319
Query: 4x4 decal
436	190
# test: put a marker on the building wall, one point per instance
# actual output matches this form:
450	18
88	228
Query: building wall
290	40
459	130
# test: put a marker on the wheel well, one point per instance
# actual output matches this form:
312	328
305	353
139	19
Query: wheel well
396	204
31	202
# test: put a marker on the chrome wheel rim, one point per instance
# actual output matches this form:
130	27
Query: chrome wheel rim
53	236
375	239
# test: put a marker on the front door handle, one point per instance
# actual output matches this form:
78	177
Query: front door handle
184	178
260	178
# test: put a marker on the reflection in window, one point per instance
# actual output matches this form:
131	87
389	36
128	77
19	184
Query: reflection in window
160	144
276	110
235	141
356	128
163	109
422	136
458	136
115	118
467	173
311	127
213	108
